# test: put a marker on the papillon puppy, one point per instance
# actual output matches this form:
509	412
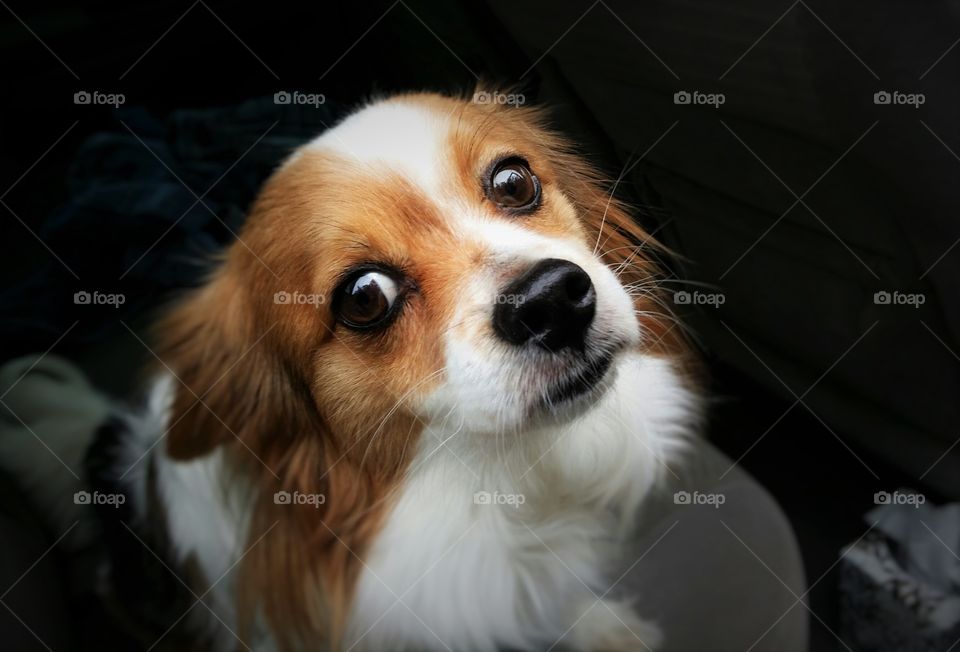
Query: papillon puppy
418	403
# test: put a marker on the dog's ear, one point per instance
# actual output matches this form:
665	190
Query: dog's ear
230	386
628	250
239	387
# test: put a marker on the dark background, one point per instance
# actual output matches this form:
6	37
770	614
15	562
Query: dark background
877	384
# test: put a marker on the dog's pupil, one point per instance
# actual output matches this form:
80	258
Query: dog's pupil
512	186
366	300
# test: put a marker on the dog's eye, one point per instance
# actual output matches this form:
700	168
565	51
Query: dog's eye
367	299
513	185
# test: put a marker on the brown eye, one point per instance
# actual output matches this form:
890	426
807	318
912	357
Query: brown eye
513	185
367	299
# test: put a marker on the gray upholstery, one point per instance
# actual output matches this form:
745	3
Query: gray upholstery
723	578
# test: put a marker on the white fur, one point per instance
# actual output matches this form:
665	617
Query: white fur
446	572
479	577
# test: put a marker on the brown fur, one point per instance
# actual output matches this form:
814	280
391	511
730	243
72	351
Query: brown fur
298	401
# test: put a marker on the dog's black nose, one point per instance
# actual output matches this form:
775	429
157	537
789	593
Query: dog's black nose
551	305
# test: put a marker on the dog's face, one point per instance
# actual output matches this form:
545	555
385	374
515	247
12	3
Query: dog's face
427	263
449	269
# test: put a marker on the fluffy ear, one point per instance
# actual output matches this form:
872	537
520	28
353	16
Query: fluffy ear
241	389
230	386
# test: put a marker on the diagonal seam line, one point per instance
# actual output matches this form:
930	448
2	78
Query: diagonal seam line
199	199
41	41
800	398
812	585
440	40
199	398
37	437
604	594
957	441
937	261
799	198
939	59
799	600
399	599
42	156
240	40
954	154
759	38
40	240
37	361
562	36
184	584
599	599
942	542
622	175
839	40
362	36
39	559
634	34
940	140
212	586
26	626
944	344
167	31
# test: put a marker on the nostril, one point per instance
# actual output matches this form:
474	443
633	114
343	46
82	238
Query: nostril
577	285
558	306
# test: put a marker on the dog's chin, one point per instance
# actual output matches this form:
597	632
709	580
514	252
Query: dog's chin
578	392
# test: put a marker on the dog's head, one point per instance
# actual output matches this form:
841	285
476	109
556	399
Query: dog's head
426	261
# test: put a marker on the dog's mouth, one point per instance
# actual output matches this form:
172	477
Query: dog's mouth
584	381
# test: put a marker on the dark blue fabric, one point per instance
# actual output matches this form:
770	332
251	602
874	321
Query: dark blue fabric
124	205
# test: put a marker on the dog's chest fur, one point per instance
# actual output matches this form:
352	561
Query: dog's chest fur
499	545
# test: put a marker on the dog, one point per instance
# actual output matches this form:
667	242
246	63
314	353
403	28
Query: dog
419	401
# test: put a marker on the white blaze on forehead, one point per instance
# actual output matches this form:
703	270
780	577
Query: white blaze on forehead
409	138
